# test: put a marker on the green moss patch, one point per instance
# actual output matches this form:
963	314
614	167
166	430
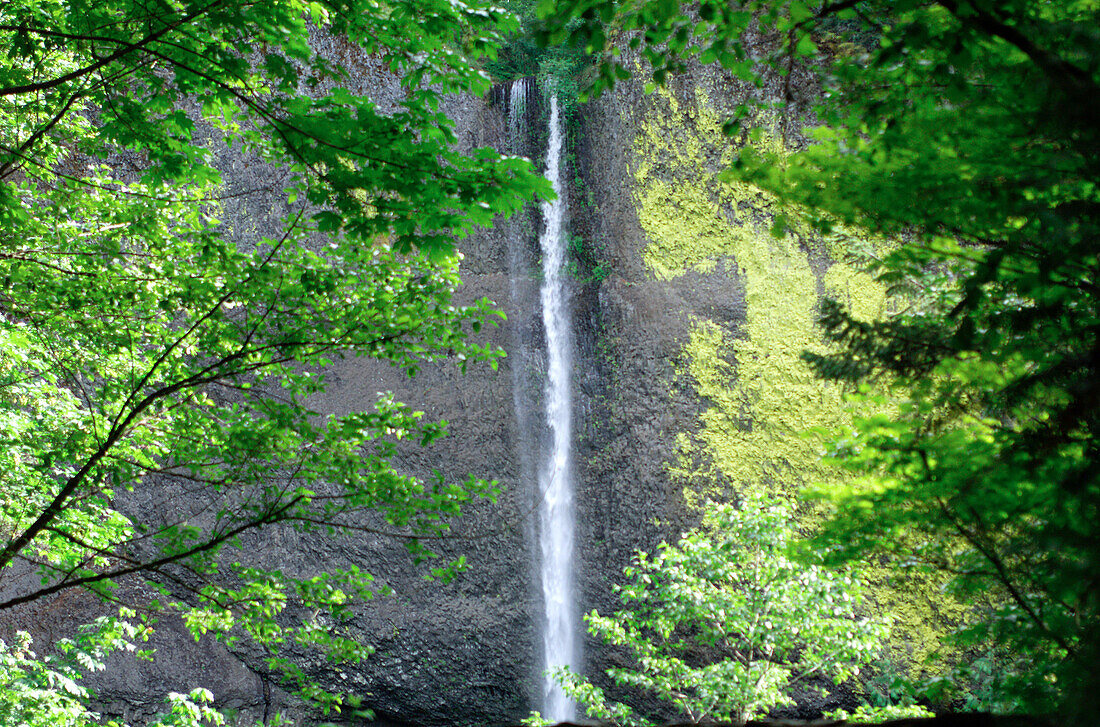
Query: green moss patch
761	397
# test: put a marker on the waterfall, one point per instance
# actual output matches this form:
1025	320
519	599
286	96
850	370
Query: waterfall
538	346
556	475
523	289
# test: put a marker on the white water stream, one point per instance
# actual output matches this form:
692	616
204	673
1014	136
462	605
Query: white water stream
556	475
523	320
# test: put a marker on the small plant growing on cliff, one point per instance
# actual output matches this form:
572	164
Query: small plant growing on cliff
584	265
726	622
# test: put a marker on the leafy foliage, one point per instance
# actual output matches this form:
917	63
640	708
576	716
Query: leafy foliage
865	714
44	692
47	691
725	622
157	361
969	129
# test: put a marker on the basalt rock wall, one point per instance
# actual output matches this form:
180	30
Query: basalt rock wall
696	334
456	653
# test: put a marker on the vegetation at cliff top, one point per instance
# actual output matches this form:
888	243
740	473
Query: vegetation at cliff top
146	338
521	56
969	131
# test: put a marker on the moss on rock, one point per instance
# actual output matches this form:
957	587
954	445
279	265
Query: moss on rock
761	397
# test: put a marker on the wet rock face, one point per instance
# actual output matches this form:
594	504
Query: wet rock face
633	328
463	652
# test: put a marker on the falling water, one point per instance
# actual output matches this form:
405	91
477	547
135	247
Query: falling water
524	318
555	478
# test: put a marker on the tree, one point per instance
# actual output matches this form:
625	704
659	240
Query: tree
46	691
156	364
966	131
725	623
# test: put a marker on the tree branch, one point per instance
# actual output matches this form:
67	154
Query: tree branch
267	519
122	52
1074	81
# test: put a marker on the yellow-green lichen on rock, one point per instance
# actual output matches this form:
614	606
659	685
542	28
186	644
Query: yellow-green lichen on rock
761	396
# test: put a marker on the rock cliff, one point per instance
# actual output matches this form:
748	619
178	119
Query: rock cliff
697	332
